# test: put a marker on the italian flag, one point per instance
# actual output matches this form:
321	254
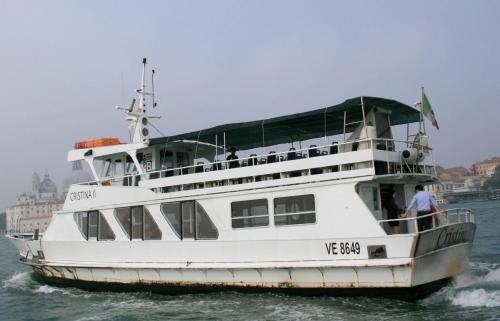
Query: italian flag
428	112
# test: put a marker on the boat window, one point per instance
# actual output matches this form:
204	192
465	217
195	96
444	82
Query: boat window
106	170
93	225
172	213
137	223
205	229
130	166
119	168
136	219
104	231
166	159
182	159
189	220
82	221
123	217
249	213
151	230
294	210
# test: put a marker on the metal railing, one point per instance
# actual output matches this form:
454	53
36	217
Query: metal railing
277	157
439	219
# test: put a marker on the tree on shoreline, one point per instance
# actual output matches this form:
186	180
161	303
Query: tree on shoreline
494	181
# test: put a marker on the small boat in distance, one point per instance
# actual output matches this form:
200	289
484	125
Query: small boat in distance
176	214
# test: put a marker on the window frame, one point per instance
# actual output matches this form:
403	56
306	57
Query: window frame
181	237
294	213
252	216
100	216
129	233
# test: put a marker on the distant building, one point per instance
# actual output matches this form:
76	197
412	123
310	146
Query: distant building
3	222
454	180
485	168
34	210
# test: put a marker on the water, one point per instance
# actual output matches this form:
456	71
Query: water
474	295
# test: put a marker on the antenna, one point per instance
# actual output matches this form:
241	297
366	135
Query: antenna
153	87
132	106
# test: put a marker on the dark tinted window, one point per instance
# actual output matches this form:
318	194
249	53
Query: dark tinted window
123	217
92	224
188	220
82	222
137	222
172	213
105	232
294	210
205	229
151	230
249	213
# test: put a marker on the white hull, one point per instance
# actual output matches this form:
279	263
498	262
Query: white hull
413	279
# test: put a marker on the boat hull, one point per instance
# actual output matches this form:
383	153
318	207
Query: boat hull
414	280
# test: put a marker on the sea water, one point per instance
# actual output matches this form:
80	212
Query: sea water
474	295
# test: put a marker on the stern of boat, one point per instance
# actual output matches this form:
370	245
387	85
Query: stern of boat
443	251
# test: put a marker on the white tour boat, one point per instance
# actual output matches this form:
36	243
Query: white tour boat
173	214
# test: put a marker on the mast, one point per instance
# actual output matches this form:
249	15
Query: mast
136	114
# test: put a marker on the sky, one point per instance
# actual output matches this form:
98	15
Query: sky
64	65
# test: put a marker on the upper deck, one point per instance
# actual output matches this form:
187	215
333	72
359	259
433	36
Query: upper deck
348	140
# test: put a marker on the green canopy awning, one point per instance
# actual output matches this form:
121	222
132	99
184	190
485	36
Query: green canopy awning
301	126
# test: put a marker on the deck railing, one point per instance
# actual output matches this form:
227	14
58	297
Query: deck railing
439	219
391	165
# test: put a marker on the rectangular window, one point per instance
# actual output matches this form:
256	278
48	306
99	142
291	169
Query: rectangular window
172	213
251	213
294	210
82	220
189	220
94	226
137	222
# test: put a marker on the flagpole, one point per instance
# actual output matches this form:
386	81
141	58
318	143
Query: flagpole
422	111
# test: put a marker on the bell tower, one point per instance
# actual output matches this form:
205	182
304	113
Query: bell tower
36	186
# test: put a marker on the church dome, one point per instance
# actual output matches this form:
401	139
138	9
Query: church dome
47	185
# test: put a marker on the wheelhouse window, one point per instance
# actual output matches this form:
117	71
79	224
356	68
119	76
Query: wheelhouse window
94	226
189	220
251	213
294	210
137	223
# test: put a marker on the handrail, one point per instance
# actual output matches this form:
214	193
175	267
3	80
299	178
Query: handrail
258	159
440	218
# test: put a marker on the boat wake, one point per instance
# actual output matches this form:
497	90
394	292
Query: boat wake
23	281
20	280
477	287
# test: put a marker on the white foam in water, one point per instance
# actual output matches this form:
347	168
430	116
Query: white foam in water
45	289
477	298
493	276
18	280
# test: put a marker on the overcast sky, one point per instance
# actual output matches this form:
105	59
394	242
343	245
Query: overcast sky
64	65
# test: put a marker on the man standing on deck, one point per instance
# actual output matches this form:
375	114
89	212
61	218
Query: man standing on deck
423	201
